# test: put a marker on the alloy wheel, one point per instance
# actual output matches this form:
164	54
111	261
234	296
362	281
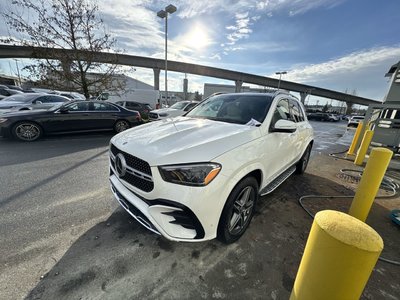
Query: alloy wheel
242	209
27	131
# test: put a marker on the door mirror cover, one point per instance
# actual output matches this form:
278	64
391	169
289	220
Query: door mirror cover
285	126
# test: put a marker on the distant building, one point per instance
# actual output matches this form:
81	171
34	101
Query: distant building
10	80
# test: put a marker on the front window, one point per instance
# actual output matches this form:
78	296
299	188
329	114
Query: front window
233	108
179	105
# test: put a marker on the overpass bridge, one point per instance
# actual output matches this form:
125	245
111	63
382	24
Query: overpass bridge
9	51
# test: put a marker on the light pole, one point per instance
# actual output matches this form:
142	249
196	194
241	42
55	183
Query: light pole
163	14
280	76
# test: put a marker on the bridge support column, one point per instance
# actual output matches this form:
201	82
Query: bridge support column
303	97
238	86
156	79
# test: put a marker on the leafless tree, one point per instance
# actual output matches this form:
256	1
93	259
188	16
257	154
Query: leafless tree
64	24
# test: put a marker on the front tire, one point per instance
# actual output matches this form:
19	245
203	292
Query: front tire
121	125
238	210
301	166
27	131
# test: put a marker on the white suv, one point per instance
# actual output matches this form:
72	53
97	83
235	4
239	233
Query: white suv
176	110
197	177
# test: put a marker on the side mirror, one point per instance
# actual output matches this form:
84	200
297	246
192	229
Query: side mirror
63	110
37	102
284	126
104	96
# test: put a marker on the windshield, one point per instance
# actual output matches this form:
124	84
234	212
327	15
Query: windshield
179	105
233	108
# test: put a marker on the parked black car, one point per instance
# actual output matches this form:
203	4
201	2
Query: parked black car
76	116
319	116
142	108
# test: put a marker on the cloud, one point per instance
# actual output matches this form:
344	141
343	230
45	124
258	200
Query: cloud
361	70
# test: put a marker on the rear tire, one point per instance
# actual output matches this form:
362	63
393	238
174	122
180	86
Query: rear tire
121	125
238	210
27	131
301	166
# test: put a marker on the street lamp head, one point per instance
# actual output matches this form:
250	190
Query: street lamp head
281	73
162	14
170	9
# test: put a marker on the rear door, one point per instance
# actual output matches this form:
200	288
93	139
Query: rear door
102	115
302	133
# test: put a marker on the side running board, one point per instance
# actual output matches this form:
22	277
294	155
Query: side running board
277	181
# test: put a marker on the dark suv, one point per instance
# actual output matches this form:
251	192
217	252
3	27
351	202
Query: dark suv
318	116
142	108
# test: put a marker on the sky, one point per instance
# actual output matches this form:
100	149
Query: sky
336	44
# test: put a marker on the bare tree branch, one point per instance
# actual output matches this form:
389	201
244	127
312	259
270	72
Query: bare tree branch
65	24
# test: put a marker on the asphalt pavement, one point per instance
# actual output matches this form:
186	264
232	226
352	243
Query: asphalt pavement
63	236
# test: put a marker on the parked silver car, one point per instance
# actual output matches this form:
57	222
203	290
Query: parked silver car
29	101
178	109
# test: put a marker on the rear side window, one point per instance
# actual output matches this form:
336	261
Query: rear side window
78	106
132	105
296	111
103	107
55	99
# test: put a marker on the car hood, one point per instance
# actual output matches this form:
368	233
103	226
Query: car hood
24	113
183	140
9	104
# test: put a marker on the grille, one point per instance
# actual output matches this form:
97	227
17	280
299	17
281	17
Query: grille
137	164
153	115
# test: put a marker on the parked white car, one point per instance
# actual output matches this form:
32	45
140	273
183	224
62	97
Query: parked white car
354	120
176	110
199	176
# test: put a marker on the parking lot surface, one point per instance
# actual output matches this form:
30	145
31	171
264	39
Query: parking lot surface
64	236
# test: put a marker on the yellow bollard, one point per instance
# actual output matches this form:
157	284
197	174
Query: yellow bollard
338	259
353	145
362	151
370	181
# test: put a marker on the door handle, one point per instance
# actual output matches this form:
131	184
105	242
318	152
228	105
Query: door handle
85	114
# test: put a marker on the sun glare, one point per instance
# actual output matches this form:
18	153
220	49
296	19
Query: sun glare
198	37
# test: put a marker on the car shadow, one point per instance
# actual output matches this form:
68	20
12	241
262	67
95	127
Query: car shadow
16	152
118	258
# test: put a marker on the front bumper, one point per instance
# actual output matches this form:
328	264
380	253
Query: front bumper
171	219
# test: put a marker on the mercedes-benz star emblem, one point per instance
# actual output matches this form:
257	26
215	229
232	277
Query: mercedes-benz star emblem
120	165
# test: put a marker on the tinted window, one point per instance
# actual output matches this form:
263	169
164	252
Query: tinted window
56	99
233	108
295	110
132	105
281	112
4	92
78	106
44	99
190	106
103	107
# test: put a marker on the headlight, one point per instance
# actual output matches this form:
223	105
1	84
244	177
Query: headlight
2	120
191	174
